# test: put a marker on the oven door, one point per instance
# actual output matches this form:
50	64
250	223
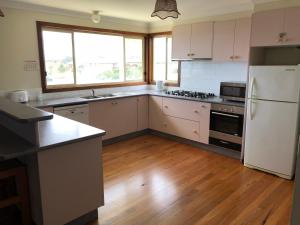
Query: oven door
227	123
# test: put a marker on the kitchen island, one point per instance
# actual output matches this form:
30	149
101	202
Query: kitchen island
63	160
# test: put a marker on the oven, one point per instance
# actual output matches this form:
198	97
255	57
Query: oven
226	126
234	91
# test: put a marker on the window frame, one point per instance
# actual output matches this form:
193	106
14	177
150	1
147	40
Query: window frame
151	56
71	29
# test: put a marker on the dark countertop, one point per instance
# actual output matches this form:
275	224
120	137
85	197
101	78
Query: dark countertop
78	100
22	113
52	133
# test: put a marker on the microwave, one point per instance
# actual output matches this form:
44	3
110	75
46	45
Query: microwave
234	91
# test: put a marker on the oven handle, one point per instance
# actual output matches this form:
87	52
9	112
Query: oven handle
223	114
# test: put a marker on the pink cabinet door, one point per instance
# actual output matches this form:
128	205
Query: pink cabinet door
266	27
292	26
223	40
181	127
204	122
116	117
143	113
242	40
181	42
155	113
202	40
181	108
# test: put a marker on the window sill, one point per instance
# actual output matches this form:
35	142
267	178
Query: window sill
62	88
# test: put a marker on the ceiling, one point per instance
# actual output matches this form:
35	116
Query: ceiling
140	10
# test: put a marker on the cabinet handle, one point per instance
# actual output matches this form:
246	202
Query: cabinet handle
192	54
166	106
196	111
188	54
231	57
236	57
203	106
195	132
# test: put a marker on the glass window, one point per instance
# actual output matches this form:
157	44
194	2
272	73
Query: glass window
99	58
163	67
58	58
75	58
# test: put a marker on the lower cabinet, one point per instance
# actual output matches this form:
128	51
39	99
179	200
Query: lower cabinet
182	118
117	117
143	112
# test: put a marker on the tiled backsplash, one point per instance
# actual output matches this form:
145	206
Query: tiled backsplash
206	76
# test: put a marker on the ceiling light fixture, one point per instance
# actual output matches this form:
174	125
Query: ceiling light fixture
96	17
1	13
165	8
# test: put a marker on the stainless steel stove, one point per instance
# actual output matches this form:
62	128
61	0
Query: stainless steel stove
190	94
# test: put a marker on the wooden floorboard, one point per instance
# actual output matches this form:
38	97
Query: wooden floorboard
150	180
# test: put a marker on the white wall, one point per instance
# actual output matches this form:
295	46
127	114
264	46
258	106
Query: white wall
18	42
206	76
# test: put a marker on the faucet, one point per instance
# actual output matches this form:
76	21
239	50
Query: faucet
93	92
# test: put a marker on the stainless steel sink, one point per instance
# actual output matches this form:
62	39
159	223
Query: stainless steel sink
92	97
107	95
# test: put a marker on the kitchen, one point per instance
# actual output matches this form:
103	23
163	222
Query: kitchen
195	114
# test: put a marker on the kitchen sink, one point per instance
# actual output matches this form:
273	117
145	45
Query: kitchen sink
92	97
107	95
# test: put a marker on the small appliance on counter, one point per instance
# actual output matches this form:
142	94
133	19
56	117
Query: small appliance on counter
233	91
160	86
20	96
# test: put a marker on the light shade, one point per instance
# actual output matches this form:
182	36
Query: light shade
96	17
1	13
165	8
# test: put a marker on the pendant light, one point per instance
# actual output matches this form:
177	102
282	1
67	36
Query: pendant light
165	8
1	13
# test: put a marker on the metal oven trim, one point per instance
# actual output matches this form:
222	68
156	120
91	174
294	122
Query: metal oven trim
225	137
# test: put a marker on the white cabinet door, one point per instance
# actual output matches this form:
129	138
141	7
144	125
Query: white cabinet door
270	142
202	40
181	42
242	40
143	112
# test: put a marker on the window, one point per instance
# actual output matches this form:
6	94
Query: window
75	58
163	67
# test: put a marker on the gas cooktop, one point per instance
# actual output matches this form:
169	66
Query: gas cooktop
190	94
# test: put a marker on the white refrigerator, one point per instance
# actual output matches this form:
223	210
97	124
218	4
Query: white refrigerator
272	120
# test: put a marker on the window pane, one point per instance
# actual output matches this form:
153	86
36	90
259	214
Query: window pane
159	58
134	59
99	58
58	57
172	74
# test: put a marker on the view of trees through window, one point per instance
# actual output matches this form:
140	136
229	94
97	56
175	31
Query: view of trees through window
78	58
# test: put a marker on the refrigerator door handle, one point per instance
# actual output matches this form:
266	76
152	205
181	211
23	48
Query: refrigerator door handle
251	95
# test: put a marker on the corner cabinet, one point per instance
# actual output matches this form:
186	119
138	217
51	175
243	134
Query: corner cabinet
193	41
232	40
117	117
276	27
143	112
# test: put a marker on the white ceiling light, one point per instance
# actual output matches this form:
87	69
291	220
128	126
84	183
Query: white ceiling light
96	17
165	8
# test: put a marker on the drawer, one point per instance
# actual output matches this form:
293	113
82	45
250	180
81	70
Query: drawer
182	128
185	109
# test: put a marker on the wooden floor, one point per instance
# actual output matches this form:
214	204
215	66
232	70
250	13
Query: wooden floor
150	180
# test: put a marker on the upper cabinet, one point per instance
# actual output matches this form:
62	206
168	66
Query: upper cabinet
232	40
276	27
192	41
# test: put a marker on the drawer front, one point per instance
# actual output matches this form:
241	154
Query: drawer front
204	122
155	113
182	109
181	128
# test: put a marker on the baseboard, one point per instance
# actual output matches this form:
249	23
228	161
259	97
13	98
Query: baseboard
219	150
212	148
